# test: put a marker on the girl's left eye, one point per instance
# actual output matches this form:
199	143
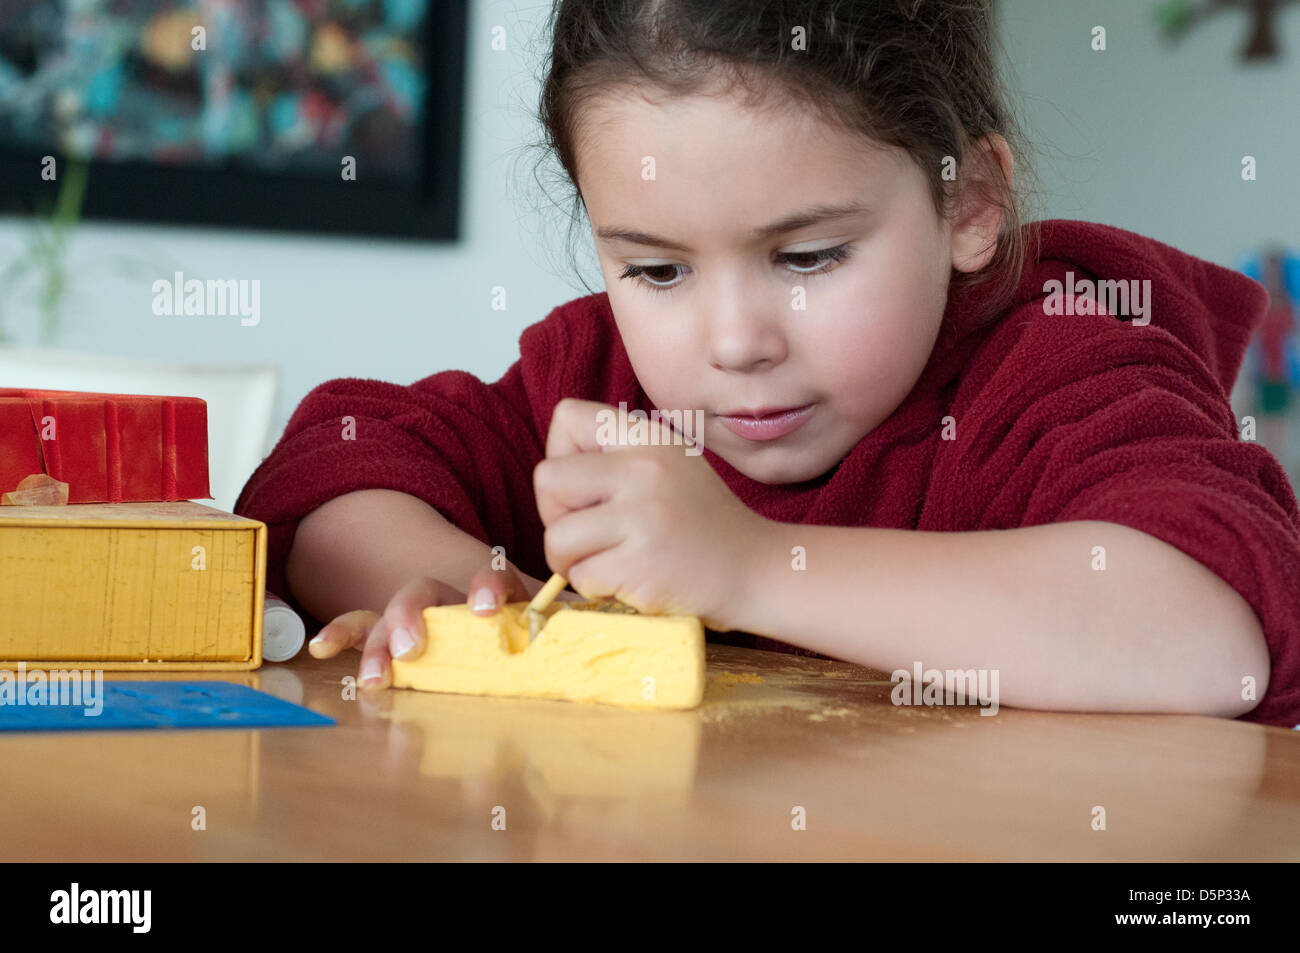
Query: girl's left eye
820	264
824	260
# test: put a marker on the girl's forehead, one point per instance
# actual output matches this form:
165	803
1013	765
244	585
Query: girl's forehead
771	103
613	123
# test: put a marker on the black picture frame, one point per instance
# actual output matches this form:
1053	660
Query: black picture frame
230	197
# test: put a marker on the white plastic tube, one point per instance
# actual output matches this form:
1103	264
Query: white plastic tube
283	632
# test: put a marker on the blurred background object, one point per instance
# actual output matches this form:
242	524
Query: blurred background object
1270	375
1177	17
280	114
43	264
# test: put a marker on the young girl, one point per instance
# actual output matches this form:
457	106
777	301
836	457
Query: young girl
930	434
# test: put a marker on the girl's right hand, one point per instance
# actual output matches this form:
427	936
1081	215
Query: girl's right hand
399	631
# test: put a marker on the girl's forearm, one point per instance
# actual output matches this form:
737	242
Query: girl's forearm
357	550
1154	631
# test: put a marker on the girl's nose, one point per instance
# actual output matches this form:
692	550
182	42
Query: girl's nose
744	334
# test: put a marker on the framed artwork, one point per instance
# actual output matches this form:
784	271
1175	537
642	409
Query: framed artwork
338	116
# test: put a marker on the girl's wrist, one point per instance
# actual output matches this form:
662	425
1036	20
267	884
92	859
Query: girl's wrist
757	570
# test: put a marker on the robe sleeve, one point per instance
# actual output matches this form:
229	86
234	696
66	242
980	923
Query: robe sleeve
465	447
1068	419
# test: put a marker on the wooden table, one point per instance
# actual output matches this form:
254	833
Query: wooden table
413	776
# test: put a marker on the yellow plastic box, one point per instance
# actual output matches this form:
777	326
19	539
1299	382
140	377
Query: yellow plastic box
159	586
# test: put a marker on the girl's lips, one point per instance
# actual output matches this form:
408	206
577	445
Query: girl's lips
770	426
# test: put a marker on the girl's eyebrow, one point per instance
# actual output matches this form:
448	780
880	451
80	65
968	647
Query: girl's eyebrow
789	223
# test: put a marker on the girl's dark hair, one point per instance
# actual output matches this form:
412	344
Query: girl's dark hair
915	74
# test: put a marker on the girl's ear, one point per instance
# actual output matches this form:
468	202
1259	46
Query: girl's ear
975	229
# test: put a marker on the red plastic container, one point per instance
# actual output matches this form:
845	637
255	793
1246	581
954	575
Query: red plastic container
108	448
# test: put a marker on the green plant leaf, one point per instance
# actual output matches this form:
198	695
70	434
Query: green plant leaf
72	194
1175	17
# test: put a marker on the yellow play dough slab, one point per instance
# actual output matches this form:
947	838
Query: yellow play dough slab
597	651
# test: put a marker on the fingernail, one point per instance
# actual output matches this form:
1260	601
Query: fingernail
319	640
484	599
403	642
370	671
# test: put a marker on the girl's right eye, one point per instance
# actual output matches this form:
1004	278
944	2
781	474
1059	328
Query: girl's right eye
645	276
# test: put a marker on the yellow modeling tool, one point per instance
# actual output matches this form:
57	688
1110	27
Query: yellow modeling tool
541	602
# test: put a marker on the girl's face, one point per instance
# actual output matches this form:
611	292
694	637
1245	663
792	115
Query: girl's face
766	260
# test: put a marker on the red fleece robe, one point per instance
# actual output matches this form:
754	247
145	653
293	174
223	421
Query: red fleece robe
1057	418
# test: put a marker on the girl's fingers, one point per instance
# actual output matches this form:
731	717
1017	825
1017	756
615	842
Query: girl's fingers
490	589
582	535
575	427
563	485
376	667
349	629
404	616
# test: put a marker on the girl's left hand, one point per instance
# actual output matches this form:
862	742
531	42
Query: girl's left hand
651	526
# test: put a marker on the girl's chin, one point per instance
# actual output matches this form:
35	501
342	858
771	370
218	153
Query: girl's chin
781	468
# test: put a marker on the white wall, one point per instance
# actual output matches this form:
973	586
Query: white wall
1138	136
1150	137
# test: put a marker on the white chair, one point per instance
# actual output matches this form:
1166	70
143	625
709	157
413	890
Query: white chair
240	401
